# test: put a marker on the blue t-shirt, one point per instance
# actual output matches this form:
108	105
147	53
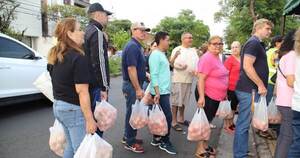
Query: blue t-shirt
133	56
253	47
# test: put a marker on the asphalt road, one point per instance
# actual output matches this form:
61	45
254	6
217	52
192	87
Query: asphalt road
24	131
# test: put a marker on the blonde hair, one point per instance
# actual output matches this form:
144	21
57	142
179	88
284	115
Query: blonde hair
64	42
260	23
213	38
297	41
236	43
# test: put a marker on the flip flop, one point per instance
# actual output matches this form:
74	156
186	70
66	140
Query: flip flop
203	155
211	150
185	123
177	127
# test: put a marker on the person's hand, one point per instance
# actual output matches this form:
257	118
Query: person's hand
103	95
156	98
183	67
201	102
91	126
177	53
262	90
139	94
148	76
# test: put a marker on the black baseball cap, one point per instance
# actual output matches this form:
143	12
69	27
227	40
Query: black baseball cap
98	7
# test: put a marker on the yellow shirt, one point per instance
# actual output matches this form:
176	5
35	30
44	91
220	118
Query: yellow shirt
271	63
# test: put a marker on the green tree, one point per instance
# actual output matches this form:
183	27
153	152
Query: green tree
56	12
240	15
185	22
119	39
7	15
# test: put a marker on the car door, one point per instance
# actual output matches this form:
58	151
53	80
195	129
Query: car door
19	67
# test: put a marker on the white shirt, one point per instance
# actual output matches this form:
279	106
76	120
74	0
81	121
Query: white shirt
296	95
189	57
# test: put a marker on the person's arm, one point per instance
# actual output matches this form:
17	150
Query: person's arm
251	73
85	105
131	60
154	72
290	68
173	57
290	79
201	89
98	63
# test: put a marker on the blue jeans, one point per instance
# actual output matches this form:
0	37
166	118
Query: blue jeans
72	120
95	94
294	151
130	96
270	92
241	136
164	103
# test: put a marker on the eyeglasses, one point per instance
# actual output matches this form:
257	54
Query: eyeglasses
142	30
217	44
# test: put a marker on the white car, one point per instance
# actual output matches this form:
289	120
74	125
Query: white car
19	67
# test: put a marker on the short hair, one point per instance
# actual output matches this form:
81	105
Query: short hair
236	42
185	33
260	23
214	37
276	39
160	36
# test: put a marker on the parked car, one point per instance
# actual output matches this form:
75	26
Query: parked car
19	67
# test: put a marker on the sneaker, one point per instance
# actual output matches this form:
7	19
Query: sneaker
138	141
168	147
137	148
155	142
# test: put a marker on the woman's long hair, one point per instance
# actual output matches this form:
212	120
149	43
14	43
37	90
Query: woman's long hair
64	42
287	44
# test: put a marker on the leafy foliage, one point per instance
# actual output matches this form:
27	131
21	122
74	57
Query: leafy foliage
237	14
7	15
185	22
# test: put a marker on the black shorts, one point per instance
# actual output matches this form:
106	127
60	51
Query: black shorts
233	99
210	108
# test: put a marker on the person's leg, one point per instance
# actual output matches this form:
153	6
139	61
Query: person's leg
174	103
95	95
285	137
186	95
294	151
130	97
240	143
270	93
71	117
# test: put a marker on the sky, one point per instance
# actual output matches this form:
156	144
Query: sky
152	11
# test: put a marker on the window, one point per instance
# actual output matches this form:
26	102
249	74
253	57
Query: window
12	49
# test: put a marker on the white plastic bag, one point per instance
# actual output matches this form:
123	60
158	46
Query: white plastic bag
224	111
57	140
94	146
139	115
260	116
44	84
199	128
273	113
105	114
157	121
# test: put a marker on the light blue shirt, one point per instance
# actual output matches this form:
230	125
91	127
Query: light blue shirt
159	72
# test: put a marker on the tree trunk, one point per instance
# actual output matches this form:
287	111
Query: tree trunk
252	11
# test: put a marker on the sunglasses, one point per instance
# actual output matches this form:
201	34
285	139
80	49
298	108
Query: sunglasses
217	44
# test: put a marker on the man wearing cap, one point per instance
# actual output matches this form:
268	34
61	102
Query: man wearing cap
134	75
95	47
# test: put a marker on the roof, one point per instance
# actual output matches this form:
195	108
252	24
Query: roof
292	7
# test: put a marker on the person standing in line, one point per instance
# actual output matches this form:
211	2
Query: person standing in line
294	149
212	87
184	69
68	68
253	76
134	75
160	87
96	47
284	92
232	64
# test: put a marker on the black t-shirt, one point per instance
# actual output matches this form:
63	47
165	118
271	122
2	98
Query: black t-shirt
253	47
73	70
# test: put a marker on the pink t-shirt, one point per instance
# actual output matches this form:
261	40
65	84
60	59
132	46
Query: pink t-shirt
284	92
216	83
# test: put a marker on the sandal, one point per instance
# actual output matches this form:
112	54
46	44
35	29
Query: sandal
229	130
177	127
185	123
203	155
265	135
211	150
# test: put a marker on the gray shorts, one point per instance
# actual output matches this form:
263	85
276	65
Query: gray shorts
181	93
